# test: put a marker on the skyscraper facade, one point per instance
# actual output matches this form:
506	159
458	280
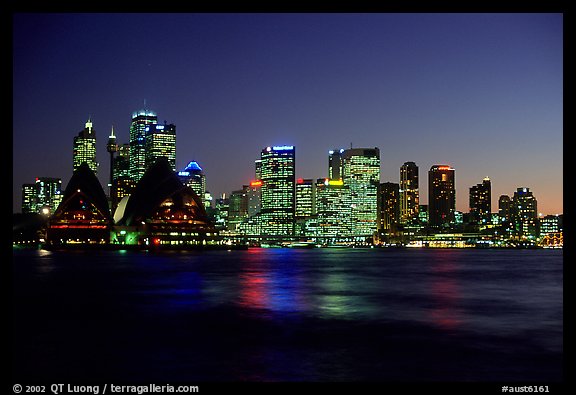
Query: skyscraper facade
389	207
85	148
141	120
361	173
409	193
42	197
278	190
481	202
305	198
332	210
161	143
441	196
335	164
122	183
524	211
193	177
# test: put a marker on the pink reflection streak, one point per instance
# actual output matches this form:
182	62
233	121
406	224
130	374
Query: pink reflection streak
445	295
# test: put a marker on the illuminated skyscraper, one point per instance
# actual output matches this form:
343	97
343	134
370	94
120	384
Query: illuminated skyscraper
112	148
193	177
278	190
481	202
524	210
335	164
140	121
161	143
361	173
305	198
122	183
85	148
29	198
409	193
389	207
42	197
332	210
441	196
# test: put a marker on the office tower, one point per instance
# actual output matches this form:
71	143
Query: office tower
254	198
409	193
112	148
29	198
278	190
441	196
332	210
140	121
551	224
361	173
193	177
389	207
237	208
423	214
504	206
335	164
85	148
160	142
305	198
122	183
42	197
258	169
481	202
524	211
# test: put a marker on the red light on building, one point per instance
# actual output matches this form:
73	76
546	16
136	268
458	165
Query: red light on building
300	181
257	183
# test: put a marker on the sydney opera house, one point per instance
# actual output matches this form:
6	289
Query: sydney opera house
161	212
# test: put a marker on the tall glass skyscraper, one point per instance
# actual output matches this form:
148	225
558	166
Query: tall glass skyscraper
141	120
441	196
305	198
409	193
161	143
278	190
361	173
524	210
193	177
85	148
481	202
335	164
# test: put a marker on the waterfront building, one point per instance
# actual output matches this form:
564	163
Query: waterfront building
42	197
332	220
441	197
85	148
162	212
423	214
237	208
361	173
409	193
551	224
278	190
141	120
305	198
83	216
193	176
524	211
481	203
389	207
254	198
29	198
160	142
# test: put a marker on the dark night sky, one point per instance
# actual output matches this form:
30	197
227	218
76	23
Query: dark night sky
480	92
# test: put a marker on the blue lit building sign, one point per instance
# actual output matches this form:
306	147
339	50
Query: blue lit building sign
283	147
184	173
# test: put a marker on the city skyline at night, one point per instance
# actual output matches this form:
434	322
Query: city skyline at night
481	93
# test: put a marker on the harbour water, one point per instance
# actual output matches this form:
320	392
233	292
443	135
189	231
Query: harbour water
284	315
